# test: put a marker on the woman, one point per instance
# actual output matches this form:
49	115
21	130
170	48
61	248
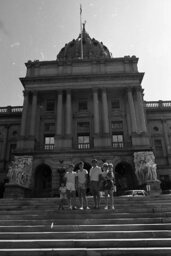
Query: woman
108	184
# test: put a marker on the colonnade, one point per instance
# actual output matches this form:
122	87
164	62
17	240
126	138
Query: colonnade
136	125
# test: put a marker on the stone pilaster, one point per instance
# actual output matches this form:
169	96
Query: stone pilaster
68	113
132	111
96	111
105	112
140	105
24	114
33	114
59	114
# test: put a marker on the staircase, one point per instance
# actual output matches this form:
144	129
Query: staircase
138	226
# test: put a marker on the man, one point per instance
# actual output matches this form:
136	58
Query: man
82	185
95	175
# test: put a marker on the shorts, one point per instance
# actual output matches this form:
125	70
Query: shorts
81	189
70	186
94	187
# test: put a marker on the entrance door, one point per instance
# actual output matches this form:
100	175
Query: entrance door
43	181
125	177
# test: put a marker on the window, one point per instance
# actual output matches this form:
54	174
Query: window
83	105
115	104
117	140
83	141
49	142
83	126
117	125
158	147
155	128
49	127
50	105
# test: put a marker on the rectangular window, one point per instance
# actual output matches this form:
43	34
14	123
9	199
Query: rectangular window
83	127
158	147
49	142
49	127
117	141
117	125
83	105
50	105
83	141
115	104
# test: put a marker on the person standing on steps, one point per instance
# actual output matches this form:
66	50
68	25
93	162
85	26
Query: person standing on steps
95	176
108	184
82	180
63	196
70	178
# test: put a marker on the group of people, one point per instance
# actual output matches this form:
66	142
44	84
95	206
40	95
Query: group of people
99	179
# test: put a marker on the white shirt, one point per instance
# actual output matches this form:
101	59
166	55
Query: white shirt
70	177
95	172
82	176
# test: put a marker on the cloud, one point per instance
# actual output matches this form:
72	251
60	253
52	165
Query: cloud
16	44
3	28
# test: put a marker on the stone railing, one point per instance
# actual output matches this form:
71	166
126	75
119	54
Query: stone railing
11	110
157	104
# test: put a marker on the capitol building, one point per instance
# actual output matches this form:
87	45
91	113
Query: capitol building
79	107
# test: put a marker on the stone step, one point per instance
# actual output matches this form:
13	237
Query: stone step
87	227
85	243
86	234
85	221
85	215
143	251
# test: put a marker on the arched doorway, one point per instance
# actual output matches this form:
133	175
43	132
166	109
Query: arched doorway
43	181
125	177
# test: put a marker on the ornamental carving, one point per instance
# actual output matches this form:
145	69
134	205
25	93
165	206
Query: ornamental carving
145	167
20	171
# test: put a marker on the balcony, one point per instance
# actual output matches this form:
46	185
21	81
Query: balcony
83	145
11	110
44	147
156	105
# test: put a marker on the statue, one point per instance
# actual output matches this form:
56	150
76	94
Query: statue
20	170
145	167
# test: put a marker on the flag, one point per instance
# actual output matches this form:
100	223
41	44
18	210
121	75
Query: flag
80	9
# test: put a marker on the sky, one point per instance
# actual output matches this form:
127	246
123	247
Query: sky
38	29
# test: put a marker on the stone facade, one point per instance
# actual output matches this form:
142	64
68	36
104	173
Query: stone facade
79	109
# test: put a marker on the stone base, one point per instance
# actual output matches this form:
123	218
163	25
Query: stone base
153	187
16	191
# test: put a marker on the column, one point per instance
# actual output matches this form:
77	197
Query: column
132	111
68	113
141	110
96	111
166	137
5	143
24	114
33	114
105	112
59	114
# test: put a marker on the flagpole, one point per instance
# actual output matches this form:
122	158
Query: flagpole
81	31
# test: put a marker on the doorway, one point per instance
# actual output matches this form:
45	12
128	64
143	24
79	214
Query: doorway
125	177
43	181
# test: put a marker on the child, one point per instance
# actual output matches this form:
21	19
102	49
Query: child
70	178
82	185
63	196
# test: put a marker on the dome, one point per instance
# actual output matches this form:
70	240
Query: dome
92	49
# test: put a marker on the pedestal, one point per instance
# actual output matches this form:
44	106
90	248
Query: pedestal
154	187
16	191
